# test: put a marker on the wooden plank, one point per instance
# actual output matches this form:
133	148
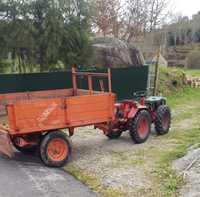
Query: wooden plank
34	116
89	107
14	97
89	115
83	100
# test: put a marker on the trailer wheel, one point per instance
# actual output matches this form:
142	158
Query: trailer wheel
163	120
140	127
55	149
114	134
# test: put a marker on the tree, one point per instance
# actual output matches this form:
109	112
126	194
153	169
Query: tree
156	13
41	33
135	20
128	20
105	16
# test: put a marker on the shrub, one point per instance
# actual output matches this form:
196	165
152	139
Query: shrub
171	80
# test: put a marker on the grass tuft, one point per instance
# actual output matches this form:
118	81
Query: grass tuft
93	183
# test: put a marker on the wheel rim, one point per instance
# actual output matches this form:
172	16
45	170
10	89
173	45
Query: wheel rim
143	127
165	122
57	150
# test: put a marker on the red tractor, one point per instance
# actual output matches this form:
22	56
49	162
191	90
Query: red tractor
137	115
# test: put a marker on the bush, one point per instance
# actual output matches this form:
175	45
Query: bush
193	60
171	80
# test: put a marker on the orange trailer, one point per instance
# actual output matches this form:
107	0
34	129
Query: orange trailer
36	118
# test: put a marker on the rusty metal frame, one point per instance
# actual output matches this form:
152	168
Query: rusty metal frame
90	76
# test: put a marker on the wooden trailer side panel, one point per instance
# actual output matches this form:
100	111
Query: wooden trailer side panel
90	109
37	115
14	97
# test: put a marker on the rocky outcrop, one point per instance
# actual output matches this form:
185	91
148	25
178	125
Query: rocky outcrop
115	53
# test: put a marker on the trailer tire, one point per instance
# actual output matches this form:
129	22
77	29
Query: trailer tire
113	135
163	120
55	149
140	127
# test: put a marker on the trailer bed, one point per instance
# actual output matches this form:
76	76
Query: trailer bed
43	114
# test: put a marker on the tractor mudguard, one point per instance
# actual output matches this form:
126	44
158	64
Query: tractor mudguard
5	143
155	100
135	110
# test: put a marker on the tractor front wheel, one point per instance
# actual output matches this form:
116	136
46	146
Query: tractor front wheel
114	134
55	149
140	127
163	120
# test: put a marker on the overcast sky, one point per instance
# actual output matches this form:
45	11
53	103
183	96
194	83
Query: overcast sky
186	7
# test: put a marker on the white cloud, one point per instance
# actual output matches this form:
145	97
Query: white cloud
186	7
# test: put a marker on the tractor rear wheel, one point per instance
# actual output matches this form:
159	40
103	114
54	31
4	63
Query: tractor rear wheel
55	149
140	127
163	120
114	134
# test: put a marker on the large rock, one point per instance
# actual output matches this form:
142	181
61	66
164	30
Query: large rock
115	53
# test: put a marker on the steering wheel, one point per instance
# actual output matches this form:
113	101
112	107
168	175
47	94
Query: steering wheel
139	94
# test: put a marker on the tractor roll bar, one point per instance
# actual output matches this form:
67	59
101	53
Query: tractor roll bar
89	76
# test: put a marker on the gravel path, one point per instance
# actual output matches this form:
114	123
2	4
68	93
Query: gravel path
123	165
115	163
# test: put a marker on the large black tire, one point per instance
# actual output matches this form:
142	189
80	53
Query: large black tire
140	127
26	150
163	120
113	135
55	149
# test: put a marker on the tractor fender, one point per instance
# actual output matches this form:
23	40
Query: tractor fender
134	110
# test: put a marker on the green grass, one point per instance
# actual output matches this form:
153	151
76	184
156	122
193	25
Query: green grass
186	97
167	178
93	182
192	72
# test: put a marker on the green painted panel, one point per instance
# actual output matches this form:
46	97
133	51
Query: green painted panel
34	82
125	81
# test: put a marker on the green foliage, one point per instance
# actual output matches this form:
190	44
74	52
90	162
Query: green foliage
42	33
192	72
171	80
